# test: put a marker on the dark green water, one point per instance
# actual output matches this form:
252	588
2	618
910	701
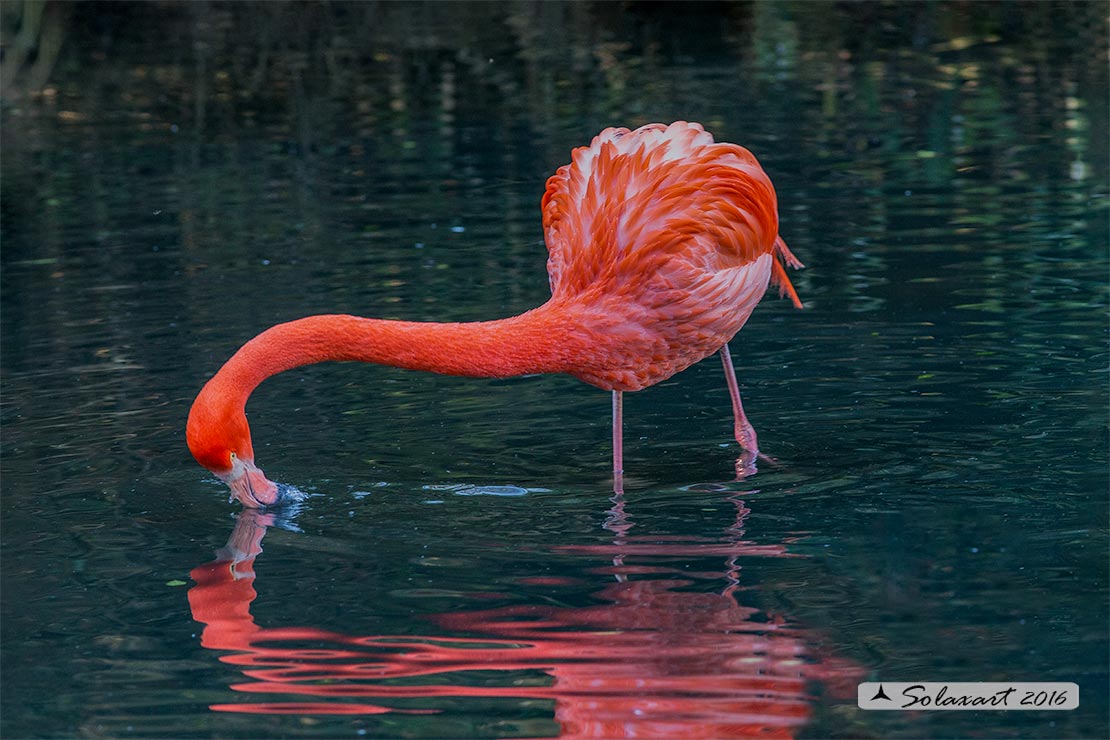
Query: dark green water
192	174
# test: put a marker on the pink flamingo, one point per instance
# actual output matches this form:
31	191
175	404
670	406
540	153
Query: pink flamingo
661	242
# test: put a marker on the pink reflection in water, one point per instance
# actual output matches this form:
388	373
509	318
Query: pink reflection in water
654	660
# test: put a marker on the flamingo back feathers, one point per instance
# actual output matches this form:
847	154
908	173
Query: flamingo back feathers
633	201
662	242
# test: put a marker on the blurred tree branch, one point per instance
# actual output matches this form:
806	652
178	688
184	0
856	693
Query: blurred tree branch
31	36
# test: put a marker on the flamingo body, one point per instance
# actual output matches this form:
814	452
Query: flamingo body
661	243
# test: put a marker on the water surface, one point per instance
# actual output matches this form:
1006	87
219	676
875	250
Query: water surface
938	411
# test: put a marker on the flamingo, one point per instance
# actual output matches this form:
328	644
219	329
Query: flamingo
660	241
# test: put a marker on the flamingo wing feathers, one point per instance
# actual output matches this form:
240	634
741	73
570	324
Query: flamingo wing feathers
635	204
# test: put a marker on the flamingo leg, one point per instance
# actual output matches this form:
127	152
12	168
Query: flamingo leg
742	428
618	442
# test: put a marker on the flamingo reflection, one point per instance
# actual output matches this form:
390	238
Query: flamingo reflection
654	659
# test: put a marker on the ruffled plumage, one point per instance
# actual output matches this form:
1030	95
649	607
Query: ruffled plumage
681	231
635	199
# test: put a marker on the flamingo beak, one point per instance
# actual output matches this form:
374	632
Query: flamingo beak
250	485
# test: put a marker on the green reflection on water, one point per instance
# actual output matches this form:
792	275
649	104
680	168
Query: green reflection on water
186	177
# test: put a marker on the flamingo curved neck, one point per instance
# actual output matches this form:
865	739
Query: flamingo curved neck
537	341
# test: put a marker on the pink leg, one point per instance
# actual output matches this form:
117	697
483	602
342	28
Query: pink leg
618	442
742	428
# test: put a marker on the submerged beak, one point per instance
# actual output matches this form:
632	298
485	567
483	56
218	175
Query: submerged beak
250	485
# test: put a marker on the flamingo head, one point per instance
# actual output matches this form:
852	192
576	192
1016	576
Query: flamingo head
221	442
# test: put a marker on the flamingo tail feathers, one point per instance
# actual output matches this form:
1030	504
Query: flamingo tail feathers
785	258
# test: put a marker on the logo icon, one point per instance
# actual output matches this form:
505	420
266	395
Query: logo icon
880	694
